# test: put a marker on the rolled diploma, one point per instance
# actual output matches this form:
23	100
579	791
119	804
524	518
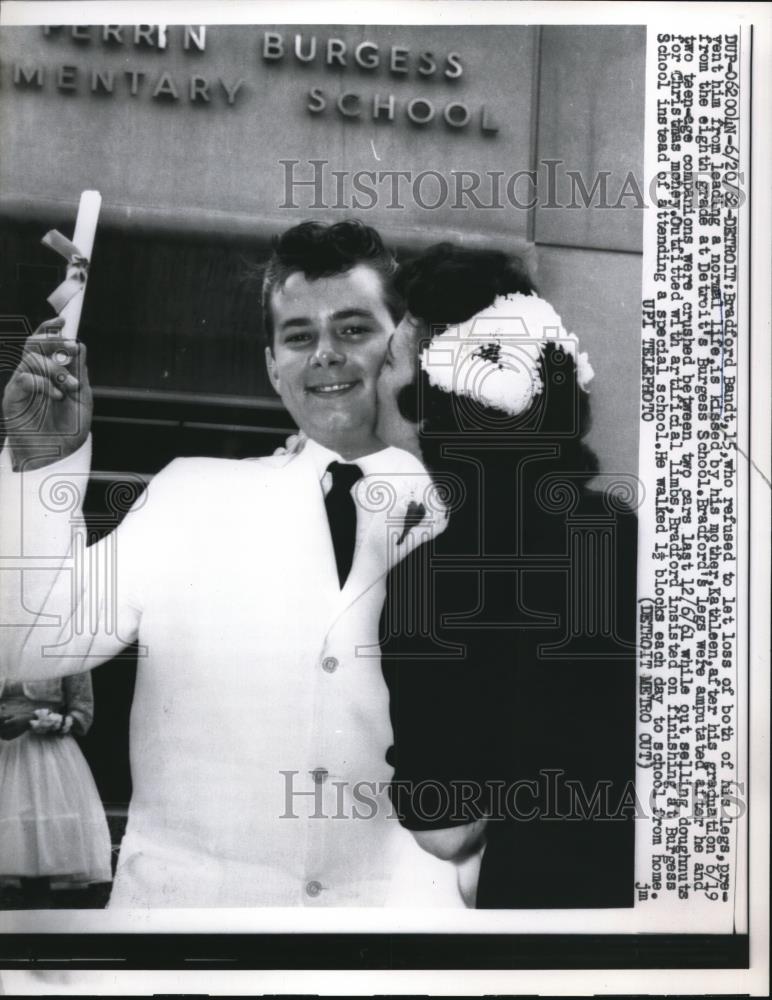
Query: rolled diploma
85	231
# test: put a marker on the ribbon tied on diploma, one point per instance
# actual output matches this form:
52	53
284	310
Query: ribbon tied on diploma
67	298
77	269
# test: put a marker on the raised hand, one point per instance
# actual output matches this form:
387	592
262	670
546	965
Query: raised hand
48	404
293	445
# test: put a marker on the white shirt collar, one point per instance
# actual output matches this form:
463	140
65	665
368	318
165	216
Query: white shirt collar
413	485
378	462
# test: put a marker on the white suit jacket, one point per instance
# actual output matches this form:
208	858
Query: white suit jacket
260	719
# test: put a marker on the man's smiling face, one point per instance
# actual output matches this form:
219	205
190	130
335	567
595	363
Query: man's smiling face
330	339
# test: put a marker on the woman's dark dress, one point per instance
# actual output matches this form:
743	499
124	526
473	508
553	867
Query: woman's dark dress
528	701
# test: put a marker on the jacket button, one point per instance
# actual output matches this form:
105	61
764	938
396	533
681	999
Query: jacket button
313	888
329	664
319	774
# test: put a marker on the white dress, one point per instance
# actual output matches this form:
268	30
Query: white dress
52	822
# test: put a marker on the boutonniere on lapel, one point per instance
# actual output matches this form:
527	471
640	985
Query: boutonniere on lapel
415	513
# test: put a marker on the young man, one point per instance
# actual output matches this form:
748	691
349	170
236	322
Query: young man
260	720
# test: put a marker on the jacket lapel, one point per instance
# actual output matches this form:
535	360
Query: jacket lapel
301	511
383	498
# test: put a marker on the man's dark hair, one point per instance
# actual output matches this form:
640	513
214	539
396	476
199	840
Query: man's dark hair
319	250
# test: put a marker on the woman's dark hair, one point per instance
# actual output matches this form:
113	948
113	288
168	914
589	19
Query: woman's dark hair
319	250
447	285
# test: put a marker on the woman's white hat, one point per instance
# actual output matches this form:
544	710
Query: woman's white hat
494	357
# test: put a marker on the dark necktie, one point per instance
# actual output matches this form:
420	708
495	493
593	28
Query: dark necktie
342	515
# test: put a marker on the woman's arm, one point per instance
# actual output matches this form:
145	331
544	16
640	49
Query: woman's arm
455	843
79	701
439	715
